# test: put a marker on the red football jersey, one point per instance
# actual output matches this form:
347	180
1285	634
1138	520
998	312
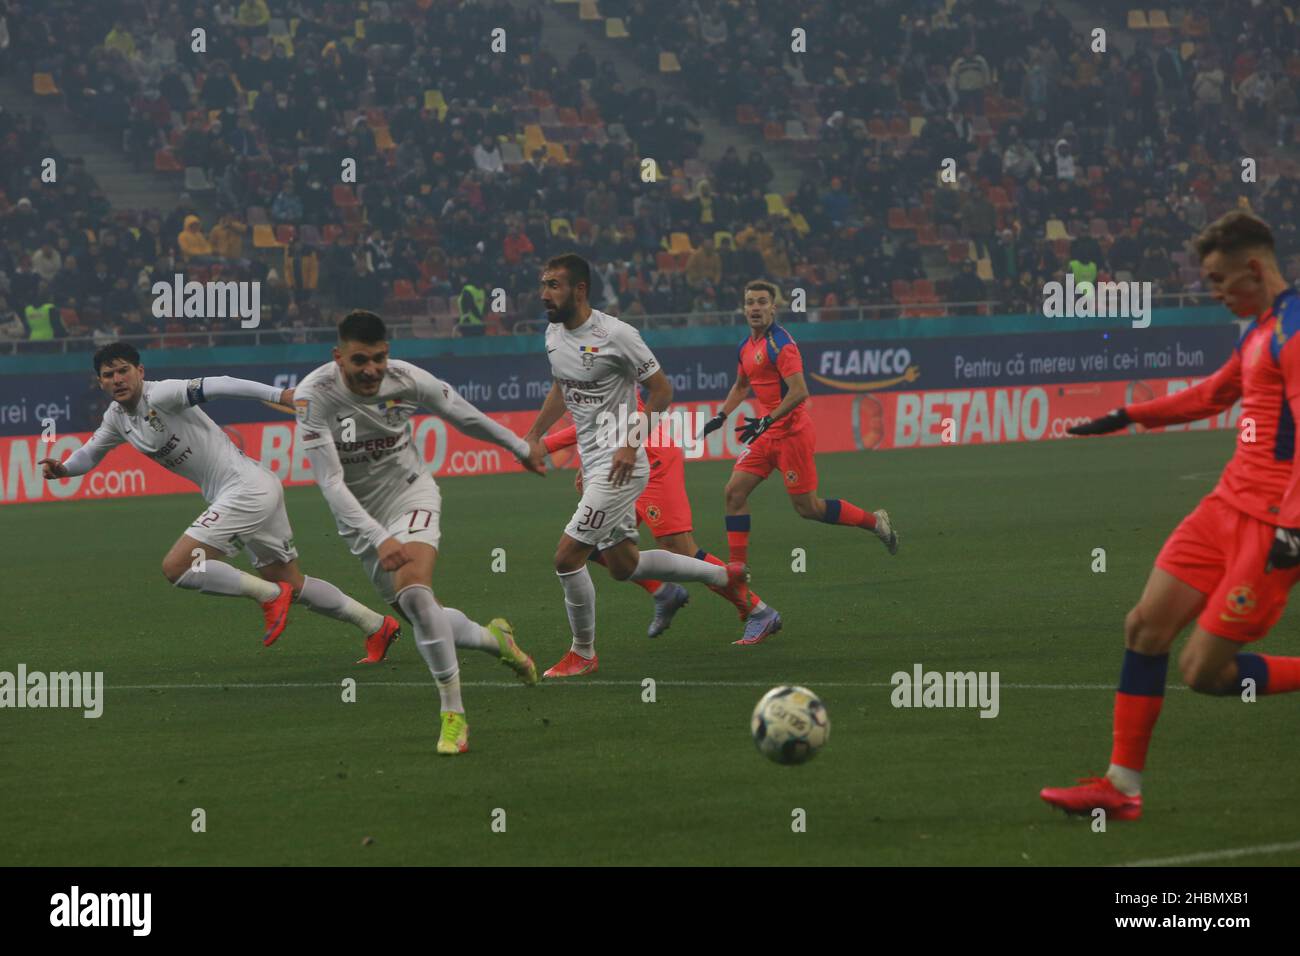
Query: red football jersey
1264	372
767	362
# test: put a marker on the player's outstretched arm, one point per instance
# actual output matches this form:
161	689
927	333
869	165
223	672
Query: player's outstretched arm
1208	398
552	411
739	389
1112	421
227	386
445	402
105	439
328	472
564	438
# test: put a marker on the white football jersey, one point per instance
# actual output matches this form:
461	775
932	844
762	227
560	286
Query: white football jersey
380	458
168	427
598	366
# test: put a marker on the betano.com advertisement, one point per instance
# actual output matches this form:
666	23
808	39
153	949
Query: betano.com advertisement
864	421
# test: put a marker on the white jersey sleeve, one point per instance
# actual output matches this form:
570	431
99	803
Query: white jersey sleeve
348	512
106	438
174	395
444	401
227	386
313	429
642	360
312	433
171	395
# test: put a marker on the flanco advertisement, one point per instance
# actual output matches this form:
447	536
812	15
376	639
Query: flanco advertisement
848	421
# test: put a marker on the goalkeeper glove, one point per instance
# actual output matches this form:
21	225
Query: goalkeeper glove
1285	552
1112	421
713	424
752	428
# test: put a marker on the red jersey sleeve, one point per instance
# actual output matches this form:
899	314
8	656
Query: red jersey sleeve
561	439
789	361
1216	394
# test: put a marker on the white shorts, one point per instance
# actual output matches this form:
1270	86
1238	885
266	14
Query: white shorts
607	515
413	516
250	517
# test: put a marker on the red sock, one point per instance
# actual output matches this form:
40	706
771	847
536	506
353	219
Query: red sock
1283	674
650	586
839	511
738	538
743	607
1135	719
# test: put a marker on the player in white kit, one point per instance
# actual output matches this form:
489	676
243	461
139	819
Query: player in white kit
354	423
596	363
245	501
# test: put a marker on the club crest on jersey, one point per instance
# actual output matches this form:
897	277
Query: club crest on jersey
392	409
654	514
155	422
758	356
791	477
301	408
589	353
1241	599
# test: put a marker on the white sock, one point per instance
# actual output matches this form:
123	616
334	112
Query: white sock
217	577
433	636
449	692
471	635
324	598
666	566
580	602
759	608
1126	781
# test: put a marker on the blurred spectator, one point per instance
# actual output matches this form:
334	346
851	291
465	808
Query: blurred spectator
227	238
192	241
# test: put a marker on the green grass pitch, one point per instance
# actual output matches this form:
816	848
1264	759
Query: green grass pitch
994	574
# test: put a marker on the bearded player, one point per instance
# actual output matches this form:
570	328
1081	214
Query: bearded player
596	363
354	423
1230	564
783	437
162	419
666	510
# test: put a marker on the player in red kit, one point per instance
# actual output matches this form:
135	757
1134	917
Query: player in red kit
783	438
1231	563
666	510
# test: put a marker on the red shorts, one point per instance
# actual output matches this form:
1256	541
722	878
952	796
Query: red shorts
792	453
663	506
1221	551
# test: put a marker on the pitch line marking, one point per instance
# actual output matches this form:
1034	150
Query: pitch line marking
1208	855
585	683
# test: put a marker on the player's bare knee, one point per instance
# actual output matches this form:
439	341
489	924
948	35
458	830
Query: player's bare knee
1197	674
1146	636
807	509
173	570
566	563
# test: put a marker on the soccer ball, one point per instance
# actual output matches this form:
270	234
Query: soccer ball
790	725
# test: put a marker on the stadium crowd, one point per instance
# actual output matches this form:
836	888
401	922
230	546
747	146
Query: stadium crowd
472	167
